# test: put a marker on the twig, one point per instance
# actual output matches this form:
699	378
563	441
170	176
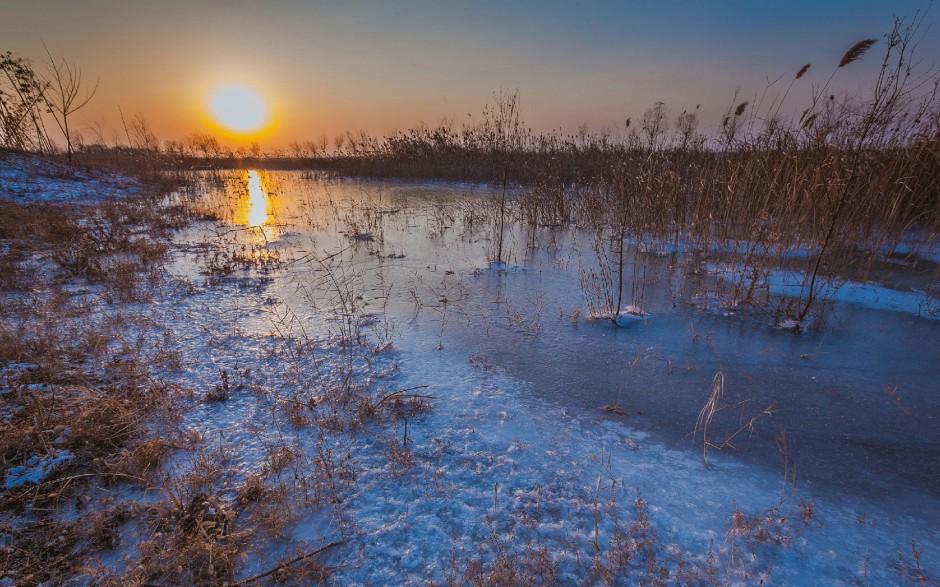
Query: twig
413	395
287	564
401	391
35	488
321	261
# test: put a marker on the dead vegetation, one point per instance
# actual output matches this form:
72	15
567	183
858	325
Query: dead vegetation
208	521
812	201
91	414
82	408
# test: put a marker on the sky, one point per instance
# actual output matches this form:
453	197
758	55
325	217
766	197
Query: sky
324	67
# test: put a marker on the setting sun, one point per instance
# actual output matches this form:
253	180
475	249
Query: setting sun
238	109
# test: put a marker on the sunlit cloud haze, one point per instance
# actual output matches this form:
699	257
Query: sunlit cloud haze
327	67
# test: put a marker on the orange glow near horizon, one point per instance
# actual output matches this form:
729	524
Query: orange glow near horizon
325	68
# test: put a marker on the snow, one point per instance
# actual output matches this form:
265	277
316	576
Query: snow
545	462
630	315
873	296
663	246
30	178
36	469
916	245
515	449
626	317
504	267
12	371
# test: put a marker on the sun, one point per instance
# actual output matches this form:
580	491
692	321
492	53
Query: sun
239	109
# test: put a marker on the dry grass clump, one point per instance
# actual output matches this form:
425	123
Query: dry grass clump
202	533
83	407
45	553
192	544
220	262
119	245
70	423
66	429
79	385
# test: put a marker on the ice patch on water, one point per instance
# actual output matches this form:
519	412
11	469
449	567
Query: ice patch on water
915	245
868	295
486	459
630	315
493	450
504	267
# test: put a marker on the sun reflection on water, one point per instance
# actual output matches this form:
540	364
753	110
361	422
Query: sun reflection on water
257	200
258	212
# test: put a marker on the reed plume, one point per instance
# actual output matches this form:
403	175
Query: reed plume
856	51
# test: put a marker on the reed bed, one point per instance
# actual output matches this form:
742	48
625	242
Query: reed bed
825	195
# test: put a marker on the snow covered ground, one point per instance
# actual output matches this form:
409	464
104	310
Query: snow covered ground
535	437
27	178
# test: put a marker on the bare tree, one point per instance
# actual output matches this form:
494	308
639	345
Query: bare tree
502	124
322	144
312	148
97	130
338	142
64	95
205	144
297	150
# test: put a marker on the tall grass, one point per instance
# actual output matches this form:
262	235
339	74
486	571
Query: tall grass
825	194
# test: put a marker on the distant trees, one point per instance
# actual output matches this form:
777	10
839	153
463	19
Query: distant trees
202	144
686	127
655	125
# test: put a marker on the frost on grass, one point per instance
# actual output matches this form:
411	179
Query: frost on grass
30	178
83	408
